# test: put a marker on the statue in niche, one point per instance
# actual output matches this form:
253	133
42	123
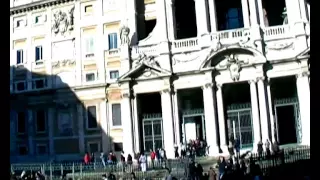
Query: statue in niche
63	21
124	35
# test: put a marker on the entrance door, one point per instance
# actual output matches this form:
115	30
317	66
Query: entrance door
286	124
152	133
193	126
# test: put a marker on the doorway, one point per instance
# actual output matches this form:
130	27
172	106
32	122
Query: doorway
286	124
193	127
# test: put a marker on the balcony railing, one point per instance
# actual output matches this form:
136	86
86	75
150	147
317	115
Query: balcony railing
183	45
146	49
113	52
230	36
276	32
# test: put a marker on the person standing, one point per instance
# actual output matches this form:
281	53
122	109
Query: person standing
143	162
212	174
222	167
153	157
86	158
103	159
129	162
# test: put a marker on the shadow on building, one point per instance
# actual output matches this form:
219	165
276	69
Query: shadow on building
50	122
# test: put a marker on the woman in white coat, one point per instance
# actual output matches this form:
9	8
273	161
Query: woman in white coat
143	162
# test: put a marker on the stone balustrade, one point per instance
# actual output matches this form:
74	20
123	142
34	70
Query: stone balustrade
276	32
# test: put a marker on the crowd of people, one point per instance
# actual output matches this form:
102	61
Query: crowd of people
28	175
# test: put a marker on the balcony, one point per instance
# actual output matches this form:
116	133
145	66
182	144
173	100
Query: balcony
276	32
150	50
112	52
183	45
38	65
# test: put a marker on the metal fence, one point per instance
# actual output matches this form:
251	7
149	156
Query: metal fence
96	170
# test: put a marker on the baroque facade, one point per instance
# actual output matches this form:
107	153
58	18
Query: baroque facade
84	78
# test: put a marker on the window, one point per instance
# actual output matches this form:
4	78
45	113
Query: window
90	77
39	83
113	41
21	123
118	147
40	121
234	18
19	23
23	150
153	136
37	19
21	86
41	149
114	74
38	54
92	117
89	47
20	56
116	115
88	9
93	147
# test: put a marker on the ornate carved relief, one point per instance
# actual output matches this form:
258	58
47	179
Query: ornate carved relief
234	64
280	46
246	41
185	58
63	63
63	21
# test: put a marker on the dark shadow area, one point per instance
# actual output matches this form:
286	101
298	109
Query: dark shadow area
185	16
229	14
274	12
285	109
150	121
39	112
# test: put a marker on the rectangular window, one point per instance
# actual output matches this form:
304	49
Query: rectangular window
114	74
21	123
19	23
19	56
92	117
118	147
23	150
89	47
116	114
93	147
38	53
40	121
21	86
90	77
88	9
113	41
39	83
42	149
37	19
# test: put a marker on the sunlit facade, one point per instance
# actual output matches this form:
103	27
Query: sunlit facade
135	75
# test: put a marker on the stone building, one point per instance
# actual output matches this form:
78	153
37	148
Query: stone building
134	75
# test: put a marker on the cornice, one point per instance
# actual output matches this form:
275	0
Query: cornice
36	5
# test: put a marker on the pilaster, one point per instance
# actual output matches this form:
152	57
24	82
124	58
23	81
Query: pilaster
213	16
136	124
171	20
175	103
245	13
105	127
271	113
30	131
77	31
51	113
100	41
167	116
29	52
303	89
48	49
81	128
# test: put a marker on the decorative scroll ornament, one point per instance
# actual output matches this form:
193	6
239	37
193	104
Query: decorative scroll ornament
124	35
246	41
63	63
281	46
234	66
63	21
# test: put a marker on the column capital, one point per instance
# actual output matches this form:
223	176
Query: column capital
261	78
219	85
166	90
252	81
207	85
125	95
303	74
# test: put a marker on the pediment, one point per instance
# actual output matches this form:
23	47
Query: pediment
304	54
144	72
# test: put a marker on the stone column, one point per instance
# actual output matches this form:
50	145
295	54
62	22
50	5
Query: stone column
31	126
132	20
255	114
80	116
51	117
271	112
127	123
201	17
303	10
303	89
48	49
213	16
260	13
136	125
255	28
175	103
167	116
100	41
162	29
245	13
221	119
210	118
254	14
264	110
